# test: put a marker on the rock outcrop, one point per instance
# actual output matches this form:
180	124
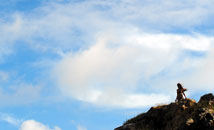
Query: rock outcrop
185	115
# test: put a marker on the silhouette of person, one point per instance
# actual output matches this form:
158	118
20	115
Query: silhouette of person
180	93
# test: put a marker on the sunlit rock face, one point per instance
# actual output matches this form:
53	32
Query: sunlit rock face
183	115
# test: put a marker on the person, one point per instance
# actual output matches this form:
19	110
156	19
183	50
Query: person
180	93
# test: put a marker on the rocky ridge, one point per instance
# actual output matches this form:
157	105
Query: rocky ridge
185	115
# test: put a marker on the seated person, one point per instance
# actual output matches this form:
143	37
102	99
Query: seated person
180	93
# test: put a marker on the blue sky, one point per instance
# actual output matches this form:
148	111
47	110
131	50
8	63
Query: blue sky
91	64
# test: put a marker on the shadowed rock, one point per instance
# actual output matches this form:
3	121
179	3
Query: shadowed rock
184	115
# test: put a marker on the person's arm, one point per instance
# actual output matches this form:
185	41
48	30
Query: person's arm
184	95
184	89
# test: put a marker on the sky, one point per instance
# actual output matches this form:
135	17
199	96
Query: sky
92	64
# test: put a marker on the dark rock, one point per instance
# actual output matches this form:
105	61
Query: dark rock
185	115
207	97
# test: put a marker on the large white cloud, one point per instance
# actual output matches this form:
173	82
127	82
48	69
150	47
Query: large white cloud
34	125
109	74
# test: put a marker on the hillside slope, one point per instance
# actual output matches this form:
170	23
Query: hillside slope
185	115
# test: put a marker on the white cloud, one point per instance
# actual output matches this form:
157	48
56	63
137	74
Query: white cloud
10	119
34	125
27	124
168	41
109	74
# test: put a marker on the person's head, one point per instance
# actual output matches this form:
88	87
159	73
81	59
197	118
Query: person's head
179	85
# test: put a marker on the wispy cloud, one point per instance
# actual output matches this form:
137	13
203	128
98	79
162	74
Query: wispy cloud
20	94
56	26
81	128
78	126
10	119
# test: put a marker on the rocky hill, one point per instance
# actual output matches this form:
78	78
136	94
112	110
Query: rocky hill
185	115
